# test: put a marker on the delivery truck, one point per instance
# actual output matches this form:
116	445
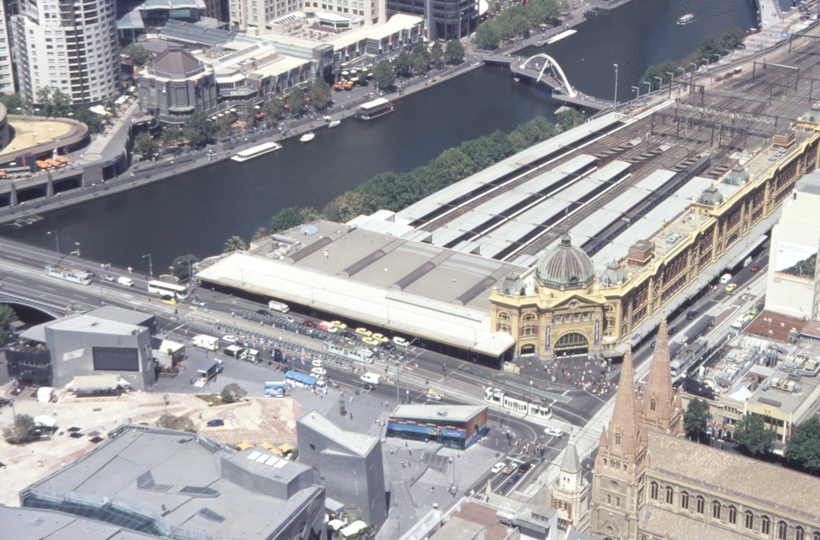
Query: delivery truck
209	343
281	307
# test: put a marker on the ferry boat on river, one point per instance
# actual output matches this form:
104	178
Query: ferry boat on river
686	19
256	151
374	109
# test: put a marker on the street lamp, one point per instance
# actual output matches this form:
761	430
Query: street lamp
76	252
57	238
672	78
615	101
638	89
660	85
150	264
648	86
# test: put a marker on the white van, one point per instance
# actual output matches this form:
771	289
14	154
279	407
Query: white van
725	278
208	343
318	372
372	378
127	281
250	355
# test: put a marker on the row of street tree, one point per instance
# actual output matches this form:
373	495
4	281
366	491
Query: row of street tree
517	21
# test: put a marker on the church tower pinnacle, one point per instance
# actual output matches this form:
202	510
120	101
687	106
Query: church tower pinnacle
661	405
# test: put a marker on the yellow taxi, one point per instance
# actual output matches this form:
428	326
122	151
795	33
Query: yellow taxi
364	331
339	324
730	287
380	338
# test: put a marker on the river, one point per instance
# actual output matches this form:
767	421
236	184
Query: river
196	212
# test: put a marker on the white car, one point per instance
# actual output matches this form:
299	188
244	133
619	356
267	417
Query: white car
498	467
318	372
401	342
230	339
316	362
555	432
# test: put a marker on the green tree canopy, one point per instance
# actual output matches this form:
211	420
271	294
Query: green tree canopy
285	219
273	110
320	93
569	118
145	145
437	53
53	102
297	102
260	233
383	74
661	71
234	243
198	129
91	120
420	65
694	419
752	436
487	35
182	267
403	64
137	53
732	38
20	431
7	316
12	103
804	445
233	392
454	52
179	423
170	136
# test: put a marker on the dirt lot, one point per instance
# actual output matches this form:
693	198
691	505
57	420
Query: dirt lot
253	420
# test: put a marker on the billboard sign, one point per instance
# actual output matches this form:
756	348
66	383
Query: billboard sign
275	389
795	260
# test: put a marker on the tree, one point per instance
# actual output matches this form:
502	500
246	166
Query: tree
273	110
170	136
234	243
487	36
285	219
732	39
454	52
198	129
137	53
752	436
709	48
260	233
297	103
437	54
182	267
569	118
53	102
383	74
694	419
420	65
320	93
345	207
804	445
403	64
12	103
91	120
178	423
233	392
7	316
20	432
145	145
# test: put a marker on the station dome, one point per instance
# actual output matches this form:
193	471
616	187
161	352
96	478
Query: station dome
736	176
710	196
613	274
565	266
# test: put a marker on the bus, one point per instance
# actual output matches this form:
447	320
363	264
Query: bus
517	403
180	292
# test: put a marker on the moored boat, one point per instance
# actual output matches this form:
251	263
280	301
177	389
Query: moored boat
334	123
307	137
256	151
686	19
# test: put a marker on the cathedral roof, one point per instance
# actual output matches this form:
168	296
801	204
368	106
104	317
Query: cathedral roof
565	266
734	475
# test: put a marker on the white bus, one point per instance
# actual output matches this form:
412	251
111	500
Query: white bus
180	292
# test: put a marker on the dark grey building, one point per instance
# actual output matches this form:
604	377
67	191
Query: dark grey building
349	465
176	85
445	19
172	484
108	340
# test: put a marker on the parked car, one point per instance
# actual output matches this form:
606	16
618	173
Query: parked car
364	331
368	386
514	478
264	312
318	372
107	277
401	342
89	272
498	467
370	341
333	384
387	345
553	432
216	422
524	467
230	339
730	287
673	330
309	323
197	302
380	337
348	334
433	396
339	324
755	267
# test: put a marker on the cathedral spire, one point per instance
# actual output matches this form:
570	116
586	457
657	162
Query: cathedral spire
661	408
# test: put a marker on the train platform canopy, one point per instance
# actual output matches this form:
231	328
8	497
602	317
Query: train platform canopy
410	287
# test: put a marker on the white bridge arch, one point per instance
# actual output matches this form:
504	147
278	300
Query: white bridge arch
549	61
